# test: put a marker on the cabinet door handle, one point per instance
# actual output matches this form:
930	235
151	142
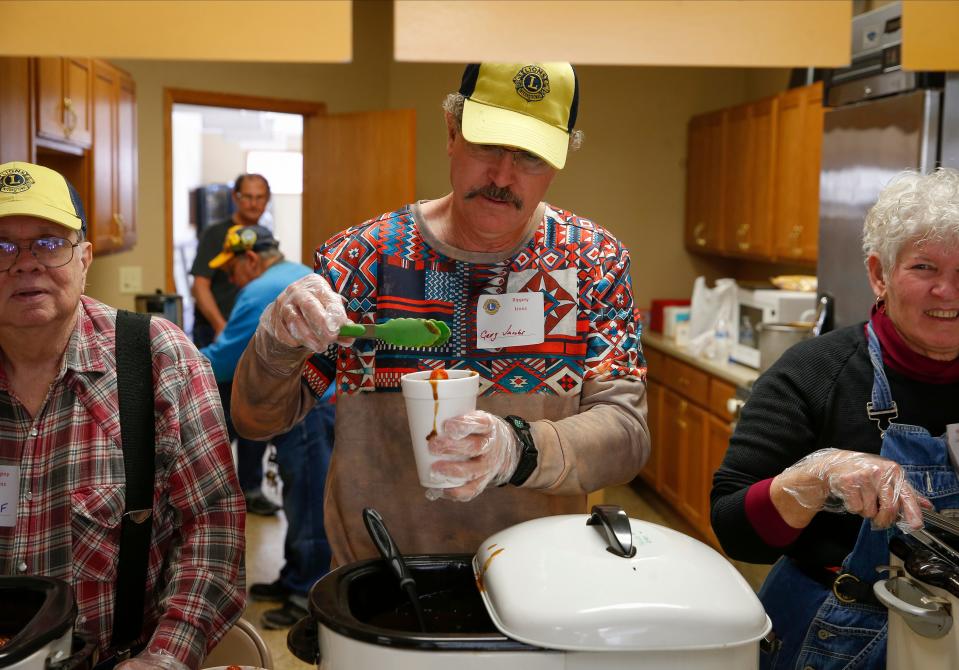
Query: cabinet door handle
698	236
69	117
118	219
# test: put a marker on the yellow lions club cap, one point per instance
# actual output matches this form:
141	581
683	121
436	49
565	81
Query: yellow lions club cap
243	238
34	190
531	106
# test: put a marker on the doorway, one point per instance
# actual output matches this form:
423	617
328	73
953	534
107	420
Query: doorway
211	146
211	138
354	165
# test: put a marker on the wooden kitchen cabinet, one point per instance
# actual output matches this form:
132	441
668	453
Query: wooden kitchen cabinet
91	140
704	183
752	181
64	103
113	161
750	151
798	157
690	425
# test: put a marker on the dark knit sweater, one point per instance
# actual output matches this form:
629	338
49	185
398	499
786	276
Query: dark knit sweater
812	398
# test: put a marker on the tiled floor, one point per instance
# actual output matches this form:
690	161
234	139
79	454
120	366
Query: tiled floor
265	550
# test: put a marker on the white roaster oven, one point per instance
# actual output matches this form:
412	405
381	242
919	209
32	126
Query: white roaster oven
571	592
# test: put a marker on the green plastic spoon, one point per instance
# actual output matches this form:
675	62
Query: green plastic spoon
402	332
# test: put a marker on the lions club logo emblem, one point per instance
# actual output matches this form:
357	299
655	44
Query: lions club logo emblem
532	83
247	238
15	181
491	306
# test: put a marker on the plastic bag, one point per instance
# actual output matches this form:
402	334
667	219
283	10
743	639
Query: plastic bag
712	314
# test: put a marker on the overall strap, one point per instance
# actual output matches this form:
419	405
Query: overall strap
137	436
882	407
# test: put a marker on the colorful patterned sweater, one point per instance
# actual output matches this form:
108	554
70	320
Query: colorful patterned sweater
583	388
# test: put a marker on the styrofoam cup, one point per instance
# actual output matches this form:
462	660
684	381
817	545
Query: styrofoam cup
454	396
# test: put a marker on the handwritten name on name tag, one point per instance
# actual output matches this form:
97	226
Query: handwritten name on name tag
509	320
9	494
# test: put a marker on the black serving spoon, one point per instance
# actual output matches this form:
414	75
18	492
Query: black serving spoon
381	537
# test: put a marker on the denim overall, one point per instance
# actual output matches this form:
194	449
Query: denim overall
814	629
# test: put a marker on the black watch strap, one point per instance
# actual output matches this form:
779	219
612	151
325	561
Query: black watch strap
528	455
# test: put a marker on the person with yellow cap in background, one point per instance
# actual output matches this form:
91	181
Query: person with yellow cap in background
252	260
65	507
539	304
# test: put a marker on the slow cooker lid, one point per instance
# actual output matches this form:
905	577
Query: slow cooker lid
560	583
34	611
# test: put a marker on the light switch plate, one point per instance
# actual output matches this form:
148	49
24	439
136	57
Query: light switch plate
131	279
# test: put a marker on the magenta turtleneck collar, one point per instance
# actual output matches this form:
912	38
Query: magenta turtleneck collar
898	356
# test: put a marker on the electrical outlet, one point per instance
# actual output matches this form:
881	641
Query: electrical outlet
131	279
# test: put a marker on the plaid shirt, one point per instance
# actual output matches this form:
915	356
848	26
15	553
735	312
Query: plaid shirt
72	489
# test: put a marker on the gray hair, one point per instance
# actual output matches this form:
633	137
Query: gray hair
912	208
270	252
453	104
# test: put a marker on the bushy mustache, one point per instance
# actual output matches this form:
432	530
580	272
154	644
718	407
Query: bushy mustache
495	192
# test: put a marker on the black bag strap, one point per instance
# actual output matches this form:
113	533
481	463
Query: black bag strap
137	436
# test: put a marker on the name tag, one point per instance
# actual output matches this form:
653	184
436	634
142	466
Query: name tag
9	494
509	320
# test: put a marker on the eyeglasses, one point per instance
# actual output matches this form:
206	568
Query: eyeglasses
53	252
249	197
523	161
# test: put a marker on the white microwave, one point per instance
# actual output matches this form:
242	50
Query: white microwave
755	306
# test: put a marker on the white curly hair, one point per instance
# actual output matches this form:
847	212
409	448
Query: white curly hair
912	208
453	104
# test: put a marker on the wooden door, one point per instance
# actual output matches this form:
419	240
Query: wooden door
356	166
102	222
16	141
738	171
693	486
64	101
126	159
755	241
798	152
718	433
654	402
103	231
704	182
812	130
77	122
671	446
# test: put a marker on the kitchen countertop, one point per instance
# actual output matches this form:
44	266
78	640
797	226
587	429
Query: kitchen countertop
734	373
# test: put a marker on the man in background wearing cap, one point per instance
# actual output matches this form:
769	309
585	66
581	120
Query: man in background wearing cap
251	258
60	454
214	295
539	304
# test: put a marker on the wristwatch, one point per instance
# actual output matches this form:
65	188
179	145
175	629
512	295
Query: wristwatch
528	454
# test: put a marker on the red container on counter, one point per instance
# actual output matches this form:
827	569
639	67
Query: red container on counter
656	312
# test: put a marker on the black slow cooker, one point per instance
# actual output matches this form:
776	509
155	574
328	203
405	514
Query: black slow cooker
36	626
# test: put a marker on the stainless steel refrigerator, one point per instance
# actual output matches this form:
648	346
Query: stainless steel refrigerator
879	121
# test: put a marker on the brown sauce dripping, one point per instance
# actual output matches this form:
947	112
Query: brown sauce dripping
489	559
435	376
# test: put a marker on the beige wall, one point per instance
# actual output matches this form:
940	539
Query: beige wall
629	175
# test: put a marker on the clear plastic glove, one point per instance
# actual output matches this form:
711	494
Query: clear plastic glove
149	659
873	487
478	449
303	319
